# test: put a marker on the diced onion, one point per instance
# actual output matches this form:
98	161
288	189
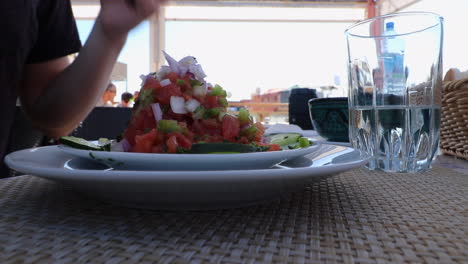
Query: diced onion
157	112
183	70
126	145
199	90
122	146
178	105
165	82
117	147
143	79
197	71
172	63
188	60
161	74
191	105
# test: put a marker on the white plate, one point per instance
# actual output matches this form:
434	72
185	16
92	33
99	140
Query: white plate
184	189
146	161
345	144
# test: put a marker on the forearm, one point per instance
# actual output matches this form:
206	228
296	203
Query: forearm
74	92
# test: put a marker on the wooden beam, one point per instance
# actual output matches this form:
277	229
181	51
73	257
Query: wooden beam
371	8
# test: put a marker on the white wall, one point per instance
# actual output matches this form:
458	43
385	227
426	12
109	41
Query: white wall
455	13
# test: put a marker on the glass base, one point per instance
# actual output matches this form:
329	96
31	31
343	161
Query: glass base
399	166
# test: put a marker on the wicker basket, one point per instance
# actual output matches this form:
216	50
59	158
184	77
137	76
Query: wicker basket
454	119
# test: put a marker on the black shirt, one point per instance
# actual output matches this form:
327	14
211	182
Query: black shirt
31	31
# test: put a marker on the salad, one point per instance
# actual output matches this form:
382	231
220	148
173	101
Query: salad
178	111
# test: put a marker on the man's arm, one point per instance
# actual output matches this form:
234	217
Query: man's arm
58	95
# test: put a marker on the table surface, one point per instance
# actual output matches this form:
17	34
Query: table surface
358	216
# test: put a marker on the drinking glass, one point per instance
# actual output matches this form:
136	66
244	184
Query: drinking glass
395	86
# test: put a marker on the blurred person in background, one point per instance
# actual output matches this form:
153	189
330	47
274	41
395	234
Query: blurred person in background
37	39
126	100
107	98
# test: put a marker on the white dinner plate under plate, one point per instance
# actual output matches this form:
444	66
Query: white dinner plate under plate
184	189
154	161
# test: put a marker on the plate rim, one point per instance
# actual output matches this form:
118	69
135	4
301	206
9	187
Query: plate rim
158	161
65	148
57	173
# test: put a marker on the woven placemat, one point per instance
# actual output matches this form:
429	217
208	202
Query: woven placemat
354	217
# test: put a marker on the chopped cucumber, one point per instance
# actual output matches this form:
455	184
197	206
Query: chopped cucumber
168	126
180	82
79	143
194	83
218	91
223	101
303	142
243	116
213	112
199	113
249	132
290	141
284	139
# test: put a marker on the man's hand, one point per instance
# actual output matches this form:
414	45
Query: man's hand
56	96
118	17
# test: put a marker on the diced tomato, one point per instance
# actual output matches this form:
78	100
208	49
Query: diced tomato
259	134
243	140
186	131
200	128
158	149
151	83
148	119
182	141
171	144
173	77
144	143
200	99
273	147
138	120
260	127
211	102
130	134
160	138
142	121
163	94
213	138
197	127
187	96
231	128
171	115
210	123
189	134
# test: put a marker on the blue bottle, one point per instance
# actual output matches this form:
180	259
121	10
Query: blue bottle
393	54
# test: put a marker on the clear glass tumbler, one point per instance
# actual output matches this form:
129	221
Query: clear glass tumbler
395	86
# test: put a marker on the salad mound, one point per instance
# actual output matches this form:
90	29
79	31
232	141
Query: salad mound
177	108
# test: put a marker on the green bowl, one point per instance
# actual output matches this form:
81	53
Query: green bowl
330	117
